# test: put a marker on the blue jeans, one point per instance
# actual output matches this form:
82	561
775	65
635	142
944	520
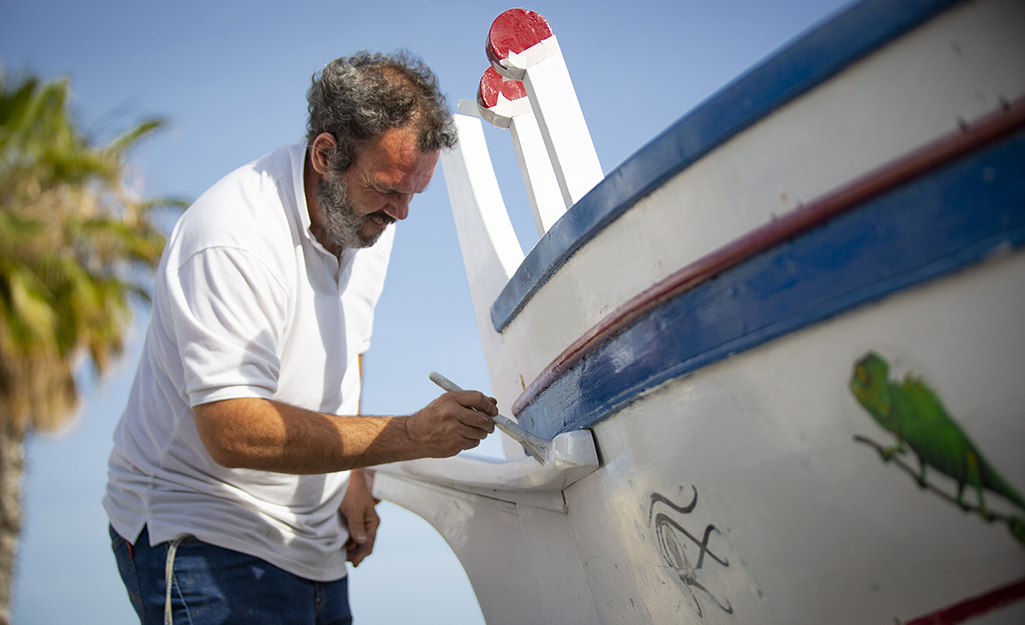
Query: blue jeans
219	586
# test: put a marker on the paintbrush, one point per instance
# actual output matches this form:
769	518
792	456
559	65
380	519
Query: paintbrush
535	445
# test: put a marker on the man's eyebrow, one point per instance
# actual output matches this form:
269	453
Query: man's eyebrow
385	189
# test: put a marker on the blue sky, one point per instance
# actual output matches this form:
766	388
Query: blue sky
230	77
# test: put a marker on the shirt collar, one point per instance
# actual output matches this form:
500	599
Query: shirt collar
298	152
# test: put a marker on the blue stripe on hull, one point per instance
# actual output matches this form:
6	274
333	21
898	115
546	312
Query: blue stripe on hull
932	226
808	62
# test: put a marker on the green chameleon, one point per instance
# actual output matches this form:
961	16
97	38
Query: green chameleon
918	419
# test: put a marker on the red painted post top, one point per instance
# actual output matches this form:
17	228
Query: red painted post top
492	84
500	99
514	33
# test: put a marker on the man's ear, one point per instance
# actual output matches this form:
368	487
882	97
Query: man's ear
320	153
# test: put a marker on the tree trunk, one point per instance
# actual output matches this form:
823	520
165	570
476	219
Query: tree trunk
12	466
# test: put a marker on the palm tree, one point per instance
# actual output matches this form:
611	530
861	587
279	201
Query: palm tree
76	245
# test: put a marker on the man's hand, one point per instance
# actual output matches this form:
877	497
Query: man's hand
358	510
452	423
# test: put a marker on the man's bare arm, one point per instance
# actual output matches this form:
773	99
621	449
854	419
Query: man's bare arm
272	436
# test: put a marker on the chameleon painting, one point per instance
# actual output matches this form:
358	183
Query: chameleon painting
918	419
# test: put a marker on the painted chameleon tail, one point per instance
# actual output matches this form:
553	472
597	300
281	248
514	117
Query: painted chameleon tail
992	480
1017	527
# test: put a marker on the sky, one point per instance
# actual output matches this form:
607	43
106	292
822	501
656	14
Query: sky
230	79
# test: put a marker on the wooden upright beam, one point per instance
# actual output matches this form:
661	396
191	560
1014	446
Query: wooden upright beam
504	104
522	46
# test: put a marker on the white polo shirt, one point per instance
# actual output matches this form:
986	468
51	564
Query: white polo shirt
246	303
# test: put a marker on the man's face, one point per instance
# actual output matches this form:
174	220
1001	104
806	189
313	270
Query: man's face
358	204
343	223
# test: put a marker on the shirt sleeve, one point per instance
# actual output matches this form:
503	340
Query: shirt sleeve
229	311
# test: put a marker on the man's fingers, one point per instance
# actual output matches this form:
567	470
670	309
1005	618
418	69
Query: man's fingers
357	531
475	400
472	436
357	553
455	421
371	523
358	549
472	409
477	421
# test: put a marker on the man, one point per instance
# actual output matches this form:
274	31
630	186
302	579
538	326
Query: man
229	495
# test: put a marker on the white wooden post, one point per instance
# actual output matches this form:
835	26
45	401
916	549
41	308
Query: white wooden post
504	104
491	252
522	46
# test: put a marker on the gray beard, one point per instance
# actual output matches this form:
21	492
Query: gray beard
342	224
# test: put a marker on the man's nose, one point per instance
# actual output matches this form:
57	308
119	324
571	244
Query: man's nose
398	206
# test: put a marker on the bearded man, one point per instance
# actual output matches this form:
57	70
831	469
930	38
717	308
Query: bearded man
236	492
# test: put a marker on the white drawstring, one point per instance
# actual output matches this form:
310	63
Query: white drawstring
169	578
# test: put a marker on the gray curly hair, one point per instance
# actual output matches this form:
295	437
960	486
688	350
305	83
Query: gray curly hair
360	97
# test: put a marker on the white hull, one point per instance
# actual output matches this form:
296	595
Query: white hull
736	479
815	527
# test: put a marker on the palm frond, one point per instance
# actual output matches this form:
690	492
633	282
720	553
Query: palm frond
75	246
132	136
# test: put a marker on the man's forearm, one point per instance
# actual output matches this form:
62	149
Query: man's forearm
272	436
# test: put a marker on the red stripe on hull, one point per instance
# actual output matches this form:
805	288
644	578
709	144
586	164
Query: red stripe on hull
975	606
877	182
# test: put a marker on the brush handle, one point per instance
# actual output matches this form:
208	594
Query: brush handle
505	424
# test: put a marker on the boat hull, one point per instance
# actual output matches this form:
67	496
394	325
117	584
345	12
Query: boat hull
703	311
746	491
